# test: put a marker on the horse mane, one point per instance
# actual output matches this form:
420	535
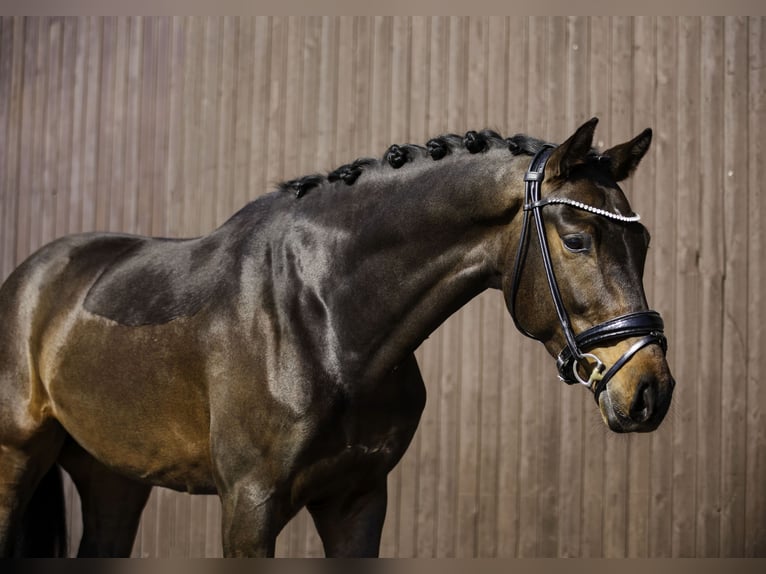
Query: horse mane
398	155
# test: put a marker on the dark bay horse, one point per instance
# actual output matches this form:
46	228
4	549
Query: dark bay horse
271	361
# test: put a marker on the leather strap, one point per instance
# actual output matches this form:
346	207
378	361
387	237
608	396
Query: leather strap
623	327
533	179
645	324
600	385
535	173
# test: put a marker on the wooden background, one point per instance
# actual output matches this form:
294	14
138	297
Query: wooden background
167	126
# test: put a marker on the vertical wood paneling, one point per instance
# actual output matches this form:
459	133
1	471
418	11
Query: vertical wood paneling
115	146
49	182
132	105
106	120
190	117
651	460
66	134
174	168
148	132
23	246
711	288
687	299
166	126
35	167
360	77
257	178
755	494
163	117
273	151
733	403
344	127
226	127
11	61
91	152
328	72
210	122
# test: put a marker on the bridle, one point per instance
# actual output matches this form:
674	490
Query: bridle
645	324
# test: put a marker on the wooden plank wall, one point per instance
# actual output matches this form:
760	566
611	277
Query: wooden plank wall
166	126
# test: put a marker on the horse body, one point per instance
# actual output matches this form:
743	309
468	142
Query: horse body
270	362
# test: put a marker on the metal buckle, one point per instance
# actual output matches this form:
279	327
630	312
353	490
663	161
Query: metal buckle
596	374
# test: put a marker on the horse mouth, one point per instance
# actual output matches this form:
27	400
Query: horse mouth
644	419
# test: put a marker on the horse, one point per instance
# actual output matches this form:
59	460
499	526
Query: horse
271	362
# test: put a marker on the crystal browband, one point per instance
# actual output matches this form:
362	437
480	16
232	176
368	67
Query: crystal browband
584	207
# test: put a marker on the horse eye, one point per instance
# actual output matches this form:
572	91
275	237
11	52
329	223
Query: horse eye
577	243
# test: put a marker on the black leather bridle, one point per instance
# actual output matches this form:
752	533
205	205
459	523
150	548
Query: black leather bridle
645	324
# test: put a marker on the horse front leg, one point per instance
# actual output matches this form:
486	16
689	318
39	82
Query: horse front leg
253	516
350	525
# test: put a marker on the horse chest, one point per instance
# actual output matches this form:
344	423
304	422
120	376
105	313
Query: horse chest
349	466
362	441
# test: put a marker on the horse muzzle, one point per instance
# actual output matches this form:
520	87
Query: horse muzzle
639	397
641	411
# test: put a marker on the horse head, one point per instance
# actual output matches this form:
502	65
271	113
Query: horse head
577	285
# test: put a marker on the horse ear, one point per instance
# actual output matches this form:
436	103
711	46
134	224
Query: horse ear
572	151
624	158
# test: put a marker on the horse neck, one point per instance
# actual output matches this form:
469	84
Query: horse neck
393	255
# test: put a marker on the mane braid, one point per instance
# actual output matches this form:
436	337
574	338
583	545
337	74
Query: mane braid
522	144
300	186
444	145
398	155
351	171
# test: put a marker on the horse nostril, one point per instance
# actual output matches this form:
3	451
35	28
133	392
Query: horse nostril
643	403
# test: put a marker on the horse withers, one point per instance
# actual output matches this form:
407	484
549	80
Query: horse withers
271	361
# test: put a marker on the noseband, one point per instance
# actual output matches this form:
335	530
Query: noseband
645	324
